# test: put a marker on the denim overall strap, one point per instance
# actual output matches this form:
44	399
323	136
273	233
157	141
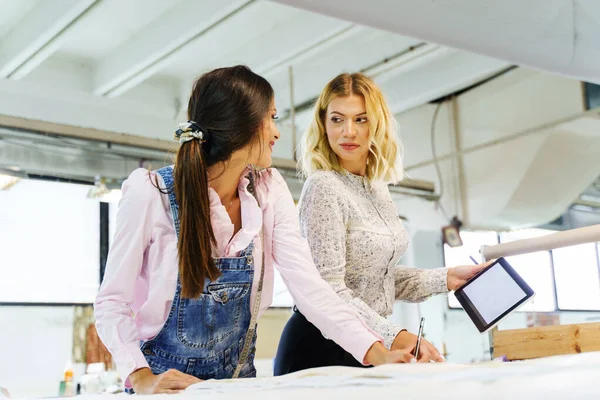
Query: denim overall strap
167	174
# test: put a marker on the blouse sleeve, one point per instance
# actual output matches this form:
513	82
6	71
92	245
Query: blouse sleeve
415	285
114	318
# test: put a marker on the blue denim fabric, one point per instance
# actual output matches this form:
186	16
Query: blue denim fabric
204	337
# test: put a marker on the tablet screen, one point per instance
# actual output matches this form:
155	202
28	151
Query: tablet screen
494	292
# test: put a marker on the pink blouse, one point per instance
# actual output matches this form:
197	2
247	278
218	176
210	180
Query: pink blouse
141	272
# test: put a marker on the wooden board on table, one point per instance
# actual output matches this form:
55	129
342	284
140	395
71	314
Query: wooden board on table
544	341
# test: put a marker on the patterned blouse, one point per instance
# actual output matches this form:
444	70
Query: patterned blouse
356	239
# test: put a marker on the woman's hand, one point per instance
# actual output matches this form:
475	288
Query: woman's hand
406	341
378	355
458	276
172	381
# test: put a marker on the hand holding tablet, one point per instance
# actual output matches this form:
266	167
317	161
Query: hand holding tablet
492	294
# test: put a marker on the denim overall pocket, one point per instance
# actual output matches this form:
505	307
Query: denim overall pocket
215	315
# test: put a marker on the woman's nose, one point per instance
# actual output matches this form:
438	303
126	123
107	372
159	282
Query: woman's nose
349	130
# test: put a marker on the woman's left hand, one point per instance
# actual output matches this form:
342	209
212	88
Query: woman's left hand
458	276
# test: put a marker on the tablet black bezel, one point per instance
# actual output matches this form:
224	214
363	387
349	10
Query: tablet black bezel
472	312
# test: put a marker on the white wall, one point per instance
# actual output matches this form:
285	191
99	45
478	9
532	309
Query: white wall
49	240
35	346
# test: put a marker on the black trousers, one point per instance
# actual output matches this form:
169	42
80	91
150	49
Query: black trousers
302	346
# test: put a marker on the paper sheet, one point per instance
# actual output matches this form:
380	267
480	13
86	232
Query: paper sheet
408	374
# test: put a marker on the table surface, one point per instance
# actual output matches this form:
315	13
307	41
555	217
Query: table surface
561	377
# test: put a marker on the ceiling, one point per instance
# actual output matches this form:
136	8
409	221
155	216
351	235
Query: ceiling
127	66
121	72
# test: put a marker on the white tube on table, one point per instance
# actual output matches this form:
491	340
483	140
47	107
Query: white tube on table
572	237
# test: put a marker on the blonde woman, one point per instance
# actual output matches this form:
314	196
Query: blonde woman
350	153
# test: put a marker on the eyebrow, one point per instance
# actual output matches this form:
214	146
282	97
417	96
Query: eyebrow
358	115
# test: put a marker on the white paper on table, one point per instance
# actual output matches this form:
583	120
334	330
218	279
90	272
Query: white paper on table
408	374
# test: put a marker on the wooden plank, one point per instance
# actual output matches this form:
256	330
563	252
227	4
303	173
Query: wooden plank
544	341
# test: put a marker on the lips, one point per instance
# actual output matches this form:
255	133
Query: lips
349	146
271	144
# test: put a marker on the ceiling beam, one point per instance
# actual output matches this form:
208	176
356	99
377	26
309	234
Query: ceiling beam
298	55
54	129
39	35
151	49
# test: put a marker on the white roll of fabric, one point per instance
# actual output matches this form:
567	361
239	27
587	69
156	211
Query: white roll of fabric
571	237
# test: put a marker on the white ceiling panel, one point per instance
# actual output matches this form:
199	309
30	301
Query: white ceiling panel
112	23
259	37
13	12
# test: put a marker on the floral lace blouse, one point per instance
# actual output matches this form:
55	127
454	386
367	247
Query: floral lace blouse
356	239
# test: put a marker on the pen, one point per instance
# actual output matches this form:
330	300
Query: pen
474	260
419	335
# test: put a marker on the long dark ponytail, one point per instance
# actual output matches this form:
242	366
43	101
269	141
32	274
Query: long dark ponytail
230	105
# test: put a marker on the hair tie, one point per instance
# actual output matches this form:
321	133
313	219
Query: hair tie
189	131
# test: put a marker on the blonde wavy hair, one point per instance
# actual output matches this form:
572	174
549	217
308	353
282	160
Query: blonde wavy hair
384	162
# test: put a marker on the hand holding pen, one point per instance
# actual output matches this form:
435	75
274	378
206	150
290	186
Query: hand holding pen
417	345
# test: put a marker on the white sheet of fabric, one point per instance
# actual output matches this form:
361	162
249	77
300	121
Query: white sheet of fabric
557	36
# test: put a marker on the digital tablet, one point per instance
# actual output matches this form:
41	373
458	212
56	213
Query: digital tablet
492	294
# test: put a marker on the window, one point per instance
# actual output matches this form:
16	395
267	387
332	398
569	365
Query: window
563	279
281	295
577	277
535	269
50	243
113	207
